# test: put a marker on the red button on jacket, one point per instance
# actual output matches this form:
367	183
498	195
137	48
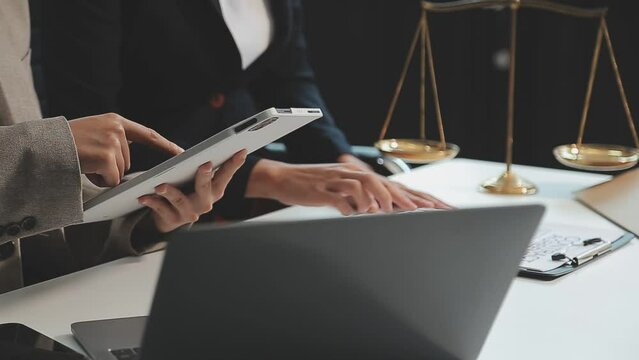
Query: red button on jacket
217	101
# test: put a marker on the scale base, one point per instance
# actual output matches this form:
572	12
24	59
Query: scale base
508	183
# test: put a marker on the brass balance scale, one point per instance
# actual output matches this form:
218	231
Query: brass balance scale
580	155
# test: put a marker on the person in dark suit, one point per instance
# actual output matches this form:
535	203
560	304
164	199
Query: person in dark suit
192	68
49	166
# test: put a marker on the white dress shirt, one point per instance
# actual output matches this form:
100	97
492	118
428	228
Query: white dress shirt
251	25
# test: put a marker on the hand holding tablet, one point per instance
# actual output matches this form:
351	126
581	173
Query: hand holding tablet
172	208
250	134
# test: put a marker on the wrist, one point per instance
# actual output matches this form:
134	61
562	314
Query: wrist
347	158
264	179
354	161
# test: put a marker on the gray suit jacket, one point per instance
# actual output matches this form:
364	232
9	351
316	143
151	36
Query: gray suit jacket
41	187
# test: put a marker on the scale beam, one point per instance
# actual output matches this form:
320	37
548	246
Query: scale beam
461	5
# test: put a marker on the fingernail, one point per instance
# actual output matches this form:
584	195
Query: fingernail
142	201
161	189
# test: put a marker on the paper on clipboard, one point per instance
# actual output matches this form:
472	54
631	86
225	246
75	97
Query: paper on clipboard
567	239
617	200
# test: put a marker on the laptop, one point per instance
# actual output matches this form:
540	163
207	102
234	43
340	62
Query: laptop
423	285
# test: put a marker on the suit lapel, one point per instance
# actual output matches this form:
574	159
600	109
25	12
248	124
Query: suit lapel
206	16
282	17
281	13
216	5
213	36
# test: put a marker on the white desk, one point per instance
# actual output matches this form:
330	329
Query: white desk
590	314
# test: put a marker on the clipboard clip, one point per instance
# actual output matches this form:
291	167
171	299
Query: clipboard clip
601	248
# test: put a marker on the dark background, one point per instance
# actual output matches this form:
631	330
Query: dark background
358	47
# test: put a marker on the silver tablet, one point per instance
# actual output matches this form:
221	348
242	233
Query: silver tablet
250	134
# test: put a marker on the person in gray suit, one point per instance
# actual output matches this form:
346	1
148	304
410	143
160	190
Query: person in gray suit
42	185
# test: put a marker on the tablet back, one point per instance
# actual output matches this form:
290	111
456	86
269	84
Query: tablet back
251	134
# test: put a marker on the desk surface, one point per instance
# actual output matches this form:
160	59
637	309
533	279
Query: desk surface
590	314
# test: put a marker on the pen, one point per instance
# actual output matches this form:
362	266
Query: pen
592	253
588	255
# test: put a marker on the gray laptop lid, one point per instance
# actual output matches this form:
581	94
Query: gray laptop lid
424	285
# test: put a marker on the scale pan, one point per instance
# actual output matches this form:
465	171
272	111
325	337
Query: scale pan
597	157
417	151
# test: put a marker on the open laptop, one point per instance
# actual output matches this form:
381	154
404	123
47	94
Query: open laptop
424	285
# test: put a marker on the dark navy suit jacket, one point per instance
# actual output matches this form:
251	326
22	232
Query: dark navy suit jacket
174	66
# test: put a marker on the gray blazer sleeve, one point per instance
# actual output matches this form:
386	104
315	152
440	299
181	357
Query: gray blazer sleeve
41	189
40	186
124	236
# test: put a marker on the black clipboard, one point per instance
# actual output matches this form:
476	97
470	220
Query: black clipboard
567	268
